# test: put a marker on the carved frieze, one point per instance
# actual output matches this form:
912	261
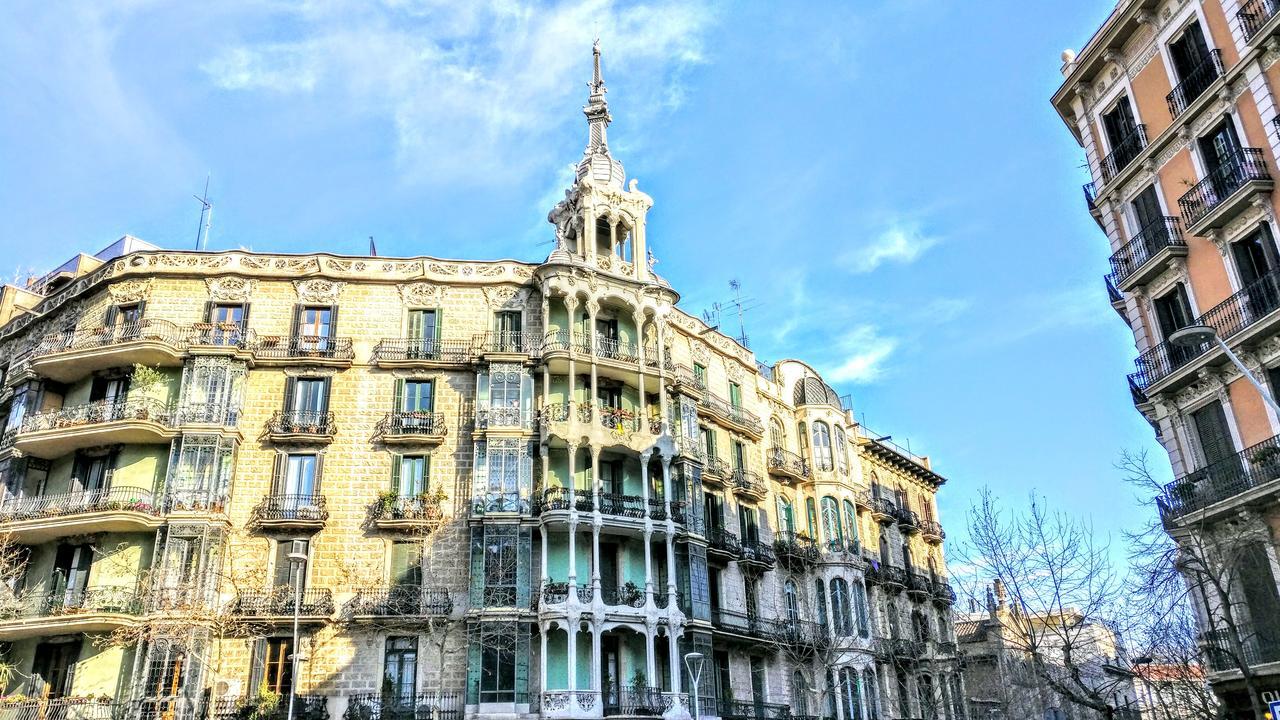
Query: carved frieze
318	290
506	297
230	288
422	294
130	291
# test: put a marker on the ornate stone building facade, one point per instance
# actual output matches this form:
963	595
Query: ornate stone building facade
448	488
1174	103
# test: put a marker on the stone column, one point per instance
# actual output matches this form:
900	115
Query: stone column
595	473
595	559
650	674
648	566
542	661
673	651
595	657
571	631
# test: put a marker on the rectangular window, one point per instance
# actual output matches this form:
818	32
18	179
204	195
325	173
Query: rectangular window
227	323
418	396
399	678
313	328
310	395
288	572
507	323
410	475
406	563
1173	311
500	569
1188	52
227	314
1118	123
421	325
708	442
700	375
299	476
1147	211
109	390
497	667
735	394
1255	257
739	455
278	666
92	473
1220	149
54	663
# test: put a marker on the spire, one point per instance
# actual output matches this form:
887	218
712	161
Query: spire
596	160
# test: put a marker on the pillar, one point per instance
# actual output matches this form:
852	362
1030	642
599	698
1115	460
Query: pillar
648	566
650	665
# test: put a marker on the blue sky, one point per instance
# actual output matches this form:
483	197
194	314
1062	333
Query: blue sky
885	178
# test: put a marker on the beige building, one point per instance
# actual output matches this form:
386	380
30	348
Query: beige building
448	488
1175	106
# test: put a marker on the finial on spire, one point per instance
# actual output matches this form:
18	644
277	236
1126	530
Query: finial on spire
597	77
596	160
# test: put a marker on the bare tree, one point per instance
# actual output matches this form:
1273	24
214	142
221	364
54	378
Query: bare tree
1062	586
1167	637
1200	563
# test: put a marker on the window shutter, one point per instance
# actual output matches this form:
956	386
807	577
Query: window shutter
399	402
142	308
396	461
477	566
290	389
258	670
426	473
297	320
109	318
110	468
244	316
208	311
431	390
277	474
333	321
324	395
319	472
439	322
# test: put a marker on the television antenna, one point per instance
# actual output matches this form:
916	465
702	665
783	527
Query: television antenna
206	215
737	304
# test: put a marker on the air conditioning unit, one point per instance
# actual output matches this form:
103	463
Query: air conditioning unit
227	688
297	549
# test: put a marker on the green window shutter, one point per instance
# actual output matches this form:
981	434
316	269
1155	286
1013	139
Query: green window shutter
399	406
109	318
324	394
414	324
426	473
395	473
477	567
439	322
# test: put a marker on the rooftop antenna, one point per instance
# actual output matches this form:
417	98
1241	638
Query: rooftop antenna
738	304
206	215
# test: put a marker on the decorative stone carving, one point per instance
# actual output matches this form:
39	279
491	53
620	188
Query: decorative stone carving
230	288
506	297
734	371
1208	383
421	294
699	352
319	290
130	291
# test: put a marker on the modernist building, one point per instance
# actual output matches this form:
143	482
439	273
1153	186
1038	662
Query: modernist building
489	489
1175	105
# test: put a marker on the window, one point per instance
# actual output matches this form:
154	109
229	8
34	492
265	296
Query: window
800	693
842	458
786	516
747	523
124	318
873	700
791	600
777	436
313	327
299	477
500	566
415	396
277	666
506	331
739	456
708	442
289	573
851	522
1255	256
700	376
307	399
92	474
497	667
851	692
802	432
841	612
227	322
822	445
409	475
860	609
904	696
54	663
1119	126
400	669
811	511
1213	434
505	394
406	563
735	394
503	475
109	390
1148	219
1220	152
1173	312
820	602
1188	52
831	529
423	330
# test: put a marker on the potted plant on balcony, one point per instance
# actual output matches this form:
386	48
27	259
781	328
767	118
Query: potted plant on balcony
631	594
262	706
387	503
431	501
1267	461
644	699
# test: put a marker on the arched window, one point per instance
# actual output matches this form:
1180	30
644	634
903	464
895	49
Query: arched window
822	445
873	695
831	529
842	458
820	603
850	522
777	435
786	516
841	613
811	512
884	549
800	693
791	600
895	623
920	626
860	609
852	693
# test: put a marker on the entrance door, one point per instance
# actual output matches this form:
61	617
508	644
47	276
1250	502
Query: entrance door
1150	220
54	667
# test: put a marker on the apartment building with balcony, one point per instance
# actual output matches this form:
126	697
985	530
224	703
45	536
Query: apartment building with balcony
478	489
1174	104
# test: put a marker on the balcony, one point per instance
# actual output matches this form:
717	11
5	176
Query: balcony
40	518
555	499
624	506
412	427
627	596
1256	648
55	433
301	426
83	610
1248	476
943	594
1253	15
890	577
400	601
69	356
427	706
902	651
796	552
931	532
275	350
748	484
64	708
642	702
716	469
750	710
305	707
228	338
616	350
510	343
908	521
883	510
504	418
751	625
1148	253
1124	152
313	604
690	382
722	543
1250	312
392	512
787	464
290	512
1214	201
919	586
1195	83
420	352
732	416
757	554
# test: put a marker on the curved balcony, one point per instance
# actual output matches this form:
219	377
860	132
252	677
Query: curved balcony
908	521
521	345
902	651
1195	83
138	421
757	554
748	484
226	338
616	351
278	603
731	416
63	708
687	381
503	418
890	577
1259	647
407	513
1125	151
301	426
943	594
883	510
643	702
40	518
628	596
69	356
278	350
787	464
724	544
795	551
919	586
1148	253
562	499
1214	201
420	352
84	610
399	601
412	427
746	625
931	531
1247	477
290	512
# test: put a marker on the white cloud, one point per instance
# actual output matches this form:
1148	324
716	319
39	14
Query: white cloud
474	90
901	242
863	352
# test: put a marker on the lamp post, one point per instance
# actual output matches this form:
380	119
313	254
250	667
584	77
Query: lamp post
298	560
693	661
1193	335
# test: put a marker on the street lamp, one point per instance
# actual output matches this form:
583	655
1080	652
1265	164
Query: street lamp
298	559
1194	335
693	661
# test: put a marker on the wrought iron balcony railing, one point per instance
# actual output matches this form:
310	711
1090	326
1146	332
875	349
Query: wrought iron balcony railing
554	593
291	508
225	334
564	498
611	349
422	349
748	481
1253	14
720	539
786	461
638	702
758	551
624	596
511	341
749	710
302	422
1244	165
1258	645
280	602
112	599
918	583
300	347
403	423
305	707
1124	152
630	506
733	413
400	600
556	341
18	707
34	507
1228	318
908	520
1250	468
492	418
405	706
99	412
1166	232
795	549
752	624
932	530
943	593
156	330
1195	83
420	507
